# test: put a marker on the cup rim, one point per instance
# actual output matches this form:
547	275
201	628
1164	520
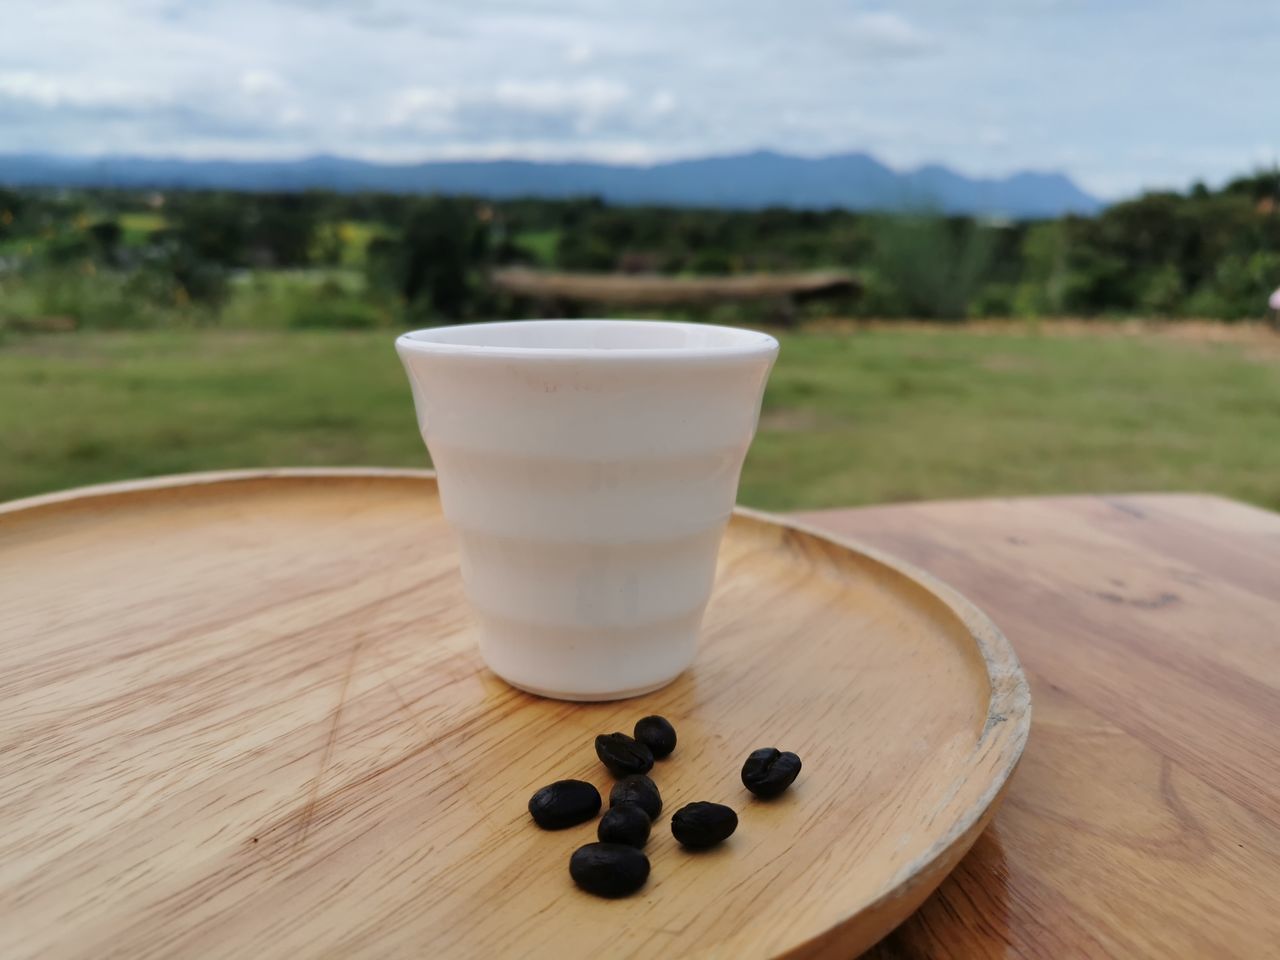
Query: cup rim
714	342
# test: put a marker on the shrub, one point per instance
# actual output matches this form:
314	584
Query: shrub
436	264
994	300
345	313
1239	287
1163	293
929	266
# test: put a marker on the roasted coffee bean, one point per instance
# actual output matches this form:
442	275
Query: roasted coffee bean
609	869
623	755
564	803
641	791
703	824
769	771
657	734
624	823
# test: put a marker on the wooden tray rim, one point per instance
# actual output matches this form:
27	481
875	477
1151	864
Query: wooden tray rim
1008	707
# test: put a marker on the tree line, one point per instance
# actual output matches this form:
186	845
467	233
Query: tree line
1211	253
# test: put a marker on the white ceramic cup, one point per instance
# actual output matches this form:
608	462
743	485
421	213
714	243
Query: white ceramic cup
588	469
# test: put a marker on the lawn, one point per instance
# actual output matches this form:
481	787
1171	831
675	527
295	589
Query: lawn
850	418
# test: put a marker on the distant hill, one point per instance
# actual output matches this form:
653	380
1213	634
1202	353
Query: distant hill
853	181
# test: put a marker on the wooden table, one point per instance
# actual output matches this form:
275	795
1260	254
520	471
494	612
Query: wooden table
1144	820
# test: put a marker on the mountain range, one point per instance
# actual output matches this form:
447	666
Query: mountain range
854	181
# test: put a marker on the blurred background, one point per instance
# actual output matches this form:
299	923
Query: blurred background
1010	247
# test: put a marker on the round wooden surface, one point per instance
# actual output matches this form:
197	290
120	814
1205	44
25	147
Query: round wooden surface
244	717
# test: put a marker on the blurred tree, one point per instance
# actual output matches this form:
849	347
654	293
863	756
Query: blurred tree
329	243
11	208
212	226
1043	277
197	281
711	260
67	246
382	264
438	260
281	228
930	267
1208	252
1163	292
583	249
106	236
1260	185
1239	287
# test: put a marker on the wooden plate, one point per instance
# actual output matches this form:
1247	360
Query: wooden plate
243	717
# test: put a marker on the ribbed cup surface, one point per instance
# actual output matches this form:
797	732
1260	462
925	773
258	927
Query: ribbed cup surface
589	495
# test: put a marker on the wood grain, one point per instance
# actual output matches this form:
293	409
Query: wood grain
651	289
1145	818
244	717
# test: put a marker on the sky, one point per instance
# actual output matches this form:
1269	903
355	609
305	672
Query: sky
1121	95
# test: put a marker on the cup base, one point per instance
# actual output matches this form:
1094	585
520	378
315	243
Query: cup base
586	664
585	697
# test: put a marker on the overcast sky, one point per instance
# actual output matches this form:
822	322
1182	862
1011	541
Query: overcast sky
1119	94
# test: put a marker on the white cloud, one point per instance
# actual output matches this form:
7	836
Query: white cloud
579	54
48	91
888	33
978	86
662	102
990	135
419	105
590	96
257	82
32	88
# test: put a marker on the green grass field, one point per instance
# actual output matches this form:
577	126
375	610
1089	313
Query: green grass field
137	227
541	244
880	415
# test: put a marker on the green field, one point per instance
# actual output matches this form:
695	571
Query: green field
865	417
541	245
137	227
